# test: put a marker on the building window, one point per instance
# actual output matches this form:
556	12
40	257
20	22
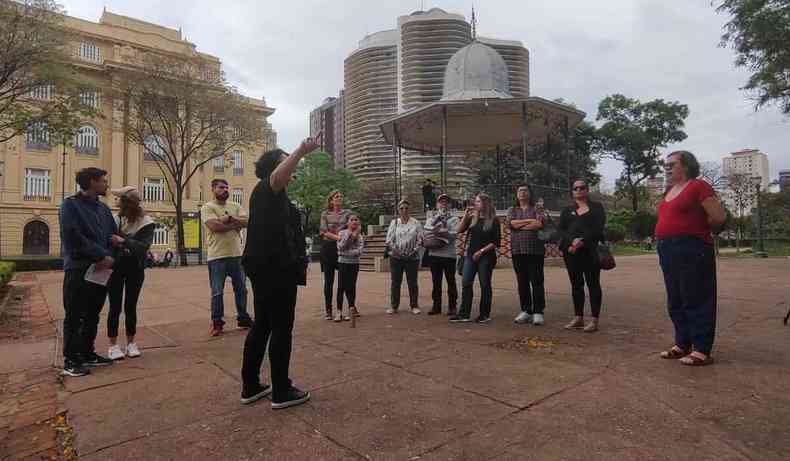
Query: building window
160	235
37	136
219	164
87	140
38	185
153	148
153	189
237	196
238	163
90	98
89	52
41	92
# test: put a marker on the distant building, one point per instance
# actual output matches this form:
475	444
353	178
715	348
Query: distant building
784	180
656	184
749	162
323	119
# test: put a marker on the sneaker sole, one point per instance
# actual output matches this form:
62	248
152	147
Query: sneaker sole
97	365
133	356
256	397
461	321
72	374
290	403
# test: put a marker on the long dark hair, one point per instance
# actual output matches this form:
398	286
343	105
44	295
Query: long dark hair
265	165
130	209
530	198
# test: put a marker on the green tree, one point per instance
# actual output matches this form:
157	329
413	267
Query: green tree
37	86
633	132
315	178
185	114
759	31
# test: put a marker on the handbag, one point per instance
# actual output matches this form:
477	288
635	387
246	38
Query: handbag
438	236
605	257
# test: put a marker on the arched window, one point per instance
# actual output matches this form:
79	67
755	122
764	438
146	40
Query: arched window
87	140
35	238
153	148
37	136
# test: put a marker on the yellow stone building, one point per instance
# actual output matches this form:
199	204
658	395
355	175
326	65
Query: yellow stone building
32	166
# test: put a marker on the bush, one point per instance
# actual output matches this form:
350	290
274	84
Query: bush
6	272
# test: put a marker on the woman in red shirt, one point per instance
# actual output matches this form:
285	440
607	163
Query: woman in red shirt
685	249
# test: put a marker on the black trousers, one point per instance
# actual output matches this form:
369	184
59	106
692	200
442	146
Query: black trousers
131	279
529	275
689	267
274	298
347	284
82	303
583	268
328	267
443	268
397	268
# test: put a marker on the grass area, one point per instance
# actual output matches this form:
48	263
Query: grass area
774	249
629	250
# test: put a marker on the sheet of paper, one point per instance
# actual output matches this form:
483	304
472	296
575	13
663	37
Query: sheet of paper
98	276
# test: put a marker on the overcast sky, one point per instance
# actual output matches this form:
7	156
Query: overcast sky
291	53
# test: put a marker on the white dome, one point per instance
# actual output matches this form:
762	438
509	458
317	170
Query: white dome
476	71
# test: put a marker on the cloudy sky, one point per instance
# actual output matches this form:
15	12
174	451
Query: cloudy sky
291	53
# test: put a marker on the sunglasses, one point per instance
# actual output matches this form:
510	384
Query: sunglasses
577	188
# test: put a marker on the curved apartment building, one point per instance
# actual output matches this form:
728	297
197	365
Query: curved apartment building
398	70
371	95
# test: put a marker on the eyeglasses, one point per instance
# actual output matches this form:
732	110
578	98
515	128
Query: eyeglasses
577	188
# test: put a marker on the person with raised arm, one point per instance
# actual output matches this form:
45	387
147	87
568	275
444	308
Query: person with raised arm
275	260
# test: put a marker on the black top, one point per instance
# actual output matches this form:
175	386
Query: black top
275	239
588	226
478	237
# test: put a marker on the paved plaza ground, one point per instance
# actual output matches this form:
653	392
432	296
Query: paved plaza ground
411	387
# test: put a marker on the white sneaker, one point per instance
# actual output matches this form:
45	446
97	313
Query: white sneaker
338	316
523	317
416	311
390	311
537	319
132	350
115	353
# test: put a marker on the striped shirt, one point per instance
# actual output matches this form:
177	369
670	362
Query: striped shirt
404	239
349	249
334	222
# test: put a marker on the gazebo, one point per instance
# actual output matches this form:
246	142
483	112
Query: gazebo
477	114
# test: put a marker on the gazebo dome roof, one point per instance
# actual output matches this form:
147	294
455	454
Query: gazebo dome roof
476	71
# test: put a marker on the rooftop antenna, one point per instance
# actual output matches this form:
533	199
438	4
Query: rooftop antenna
474	24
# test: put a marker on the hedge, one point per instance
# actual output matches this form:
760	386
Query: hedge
6	272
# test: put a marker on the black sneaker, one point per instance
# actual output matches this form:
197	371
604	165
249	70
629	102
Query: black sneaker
292	398
459	319
74	369
95	360
482	319
435	311
245	323
255	394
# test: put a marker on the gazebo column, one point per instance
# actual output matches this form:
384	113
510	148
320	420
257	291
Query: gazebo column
567	147
443	160
396	153
524	125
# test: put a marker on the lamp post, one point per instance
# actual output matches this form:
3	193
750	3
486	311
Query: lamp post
760	253
63	174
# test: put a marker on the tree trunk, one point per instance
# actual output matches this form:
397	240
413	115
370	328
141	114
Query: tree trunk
634	198
180	227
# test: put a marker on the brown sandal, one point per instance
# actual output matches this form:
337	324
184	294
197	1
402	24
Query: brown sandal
675	352
694	361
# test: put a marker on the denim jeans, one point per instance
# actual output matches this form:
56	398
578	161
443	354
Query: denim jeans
218	271
443	268
397	268
483	269
689	267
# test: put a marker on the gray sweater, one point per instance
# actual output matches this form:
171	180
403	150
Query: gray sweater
349	249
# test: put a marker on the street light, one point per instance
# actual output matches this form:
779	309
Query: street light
760	253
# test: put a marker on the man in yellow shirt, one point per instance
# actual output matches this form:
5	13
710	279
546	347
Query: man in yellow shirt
224	221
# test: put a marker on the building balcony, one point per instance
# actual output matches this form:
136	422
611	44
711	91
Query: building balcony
37	145
238	172
87	150
37	198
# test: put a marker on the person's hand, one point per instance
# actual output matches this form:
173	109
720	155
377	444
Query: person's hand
105	263
470	211
477	255
117	240
310	144
578	243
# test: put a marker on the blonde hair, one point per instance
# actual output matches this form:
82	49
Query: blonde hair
487	212
330	197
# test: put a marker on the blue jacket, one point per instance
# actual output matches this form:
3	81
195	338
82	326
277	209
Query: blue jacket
86	227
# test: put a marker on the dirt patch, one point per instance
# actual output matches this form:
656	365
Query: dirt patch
527	343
